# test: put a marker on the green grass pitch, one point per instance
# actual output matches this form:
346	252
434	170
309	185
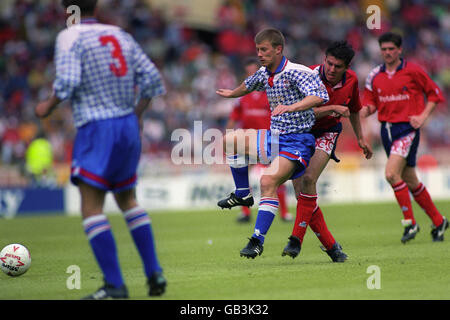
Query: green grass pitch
199	252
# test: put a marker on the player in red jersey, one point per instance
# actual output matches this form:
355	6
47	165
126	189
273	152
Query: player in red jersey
252	111
396	89
342	86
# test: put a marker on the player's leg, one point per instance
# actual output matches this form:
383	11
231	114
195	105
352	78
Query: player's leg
307	194
423	198
89	173
400	143
139	225
245	215
276	174
306	185
305	190
393	172
122	176
101	240
240	146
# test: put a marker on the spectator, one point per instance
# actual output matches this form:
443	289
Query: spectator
194	60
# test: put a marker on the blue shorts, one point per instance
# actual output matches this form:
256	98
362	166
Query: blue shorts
106	153
401	139
298	147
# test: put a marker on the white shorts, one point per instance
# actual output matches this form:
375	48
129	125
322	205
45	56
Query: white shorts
402	146
326	142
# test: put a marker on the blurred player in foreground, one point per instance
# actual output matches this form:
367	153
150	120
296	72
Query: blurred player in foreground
342	87
98	67
253	112
396	89
292	90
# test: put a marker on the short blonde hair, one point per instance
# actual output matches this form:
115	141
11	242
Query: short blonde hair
274	36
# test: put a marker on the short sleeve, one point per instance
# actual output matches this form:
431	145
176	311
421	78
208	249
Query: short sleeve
257	81
429	87
310	84
147	76
67	64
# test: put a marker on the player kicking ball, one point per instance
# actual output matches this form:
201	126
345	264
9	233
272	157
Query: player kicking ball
292	90
252	111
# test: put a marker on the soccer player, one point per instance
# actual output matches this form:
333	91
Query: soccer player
342	87
253	112
292	90
396	89
98	68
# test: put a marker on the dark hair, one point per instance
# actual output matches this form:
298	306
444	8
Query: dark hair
250	61
390	37
87	7
341	50
274	36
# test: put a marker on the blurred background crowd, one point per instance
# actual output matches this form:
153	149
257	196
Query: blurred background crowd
199	49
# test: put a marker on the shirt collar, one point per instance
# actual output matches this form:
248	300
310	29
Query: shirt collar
337	85
280	67
88	21
400	67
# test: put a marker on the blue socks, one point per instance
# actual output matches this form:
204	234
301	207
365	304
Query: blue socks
98	231
239	170
139	225
267	210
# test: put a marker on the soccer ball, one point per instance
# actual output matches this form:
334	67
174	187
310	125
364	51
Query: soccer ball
15	259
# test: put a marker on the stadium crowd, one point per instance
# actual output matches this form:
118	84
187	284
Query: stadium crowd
195	62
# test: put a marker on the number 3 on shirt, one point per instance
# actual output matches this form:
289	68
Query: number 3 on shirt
116	53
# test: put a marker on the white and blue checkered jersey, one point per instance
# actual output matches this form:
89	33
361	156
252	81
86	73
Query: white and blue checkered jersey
288	85
102	70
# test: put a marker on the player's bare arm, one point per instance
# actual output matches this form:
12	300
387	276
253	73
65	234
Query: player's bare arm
143	104
45	108
418	120
367	111
305	104
331	110
362	143
236	93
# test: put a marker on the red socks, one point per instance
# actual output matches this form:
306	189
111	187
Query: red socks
319	227
246	211
423	198
306	204
309	213
402	195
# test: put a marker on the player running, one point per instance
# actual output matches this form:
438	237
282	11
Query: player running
396	89
253	112
342	87
98	67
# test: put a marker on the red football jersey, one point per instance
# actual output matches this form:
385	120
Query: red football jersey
252	111
400	95
346	92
